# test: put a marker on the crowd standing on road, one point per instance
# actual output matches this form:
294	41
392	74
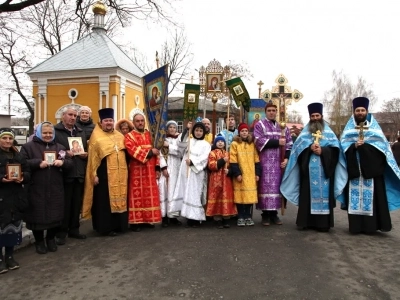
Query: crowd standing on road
122	181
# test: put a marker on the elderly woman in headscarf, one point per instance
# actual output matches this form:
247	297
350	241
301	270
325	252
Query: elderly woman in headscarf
47	161
13	199
124	126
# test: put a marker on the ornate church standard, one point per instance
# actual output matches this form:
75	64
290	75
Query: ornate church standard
212	85
281	95
155	91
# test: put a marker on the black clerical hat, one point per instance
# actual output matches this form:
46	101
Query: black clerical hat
315	108
360	102
106	113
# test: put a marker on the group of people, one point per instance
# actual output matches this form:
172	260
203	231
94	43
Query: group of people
121	180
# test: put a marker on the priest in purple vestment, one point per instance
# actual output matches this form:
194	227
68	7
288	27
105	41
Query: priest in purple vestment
269	143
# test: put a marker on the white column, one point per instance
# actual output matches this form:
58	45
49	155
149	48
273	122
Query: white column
115	106
40	108
45	118
107	100
101	100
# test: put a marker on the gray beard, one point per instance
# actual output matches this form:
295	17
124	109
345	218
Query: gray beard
314	126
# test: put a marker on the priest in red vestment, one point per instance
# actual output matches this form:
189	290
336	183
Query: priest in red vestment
144	170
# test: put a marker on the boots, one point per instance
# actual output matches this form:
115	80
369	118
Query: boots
165	222
11	263
51	245
40	247
3	266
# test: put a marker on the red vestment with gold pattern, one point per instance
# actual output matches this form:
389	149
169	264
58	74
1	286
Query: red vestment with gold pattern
143	197
220	190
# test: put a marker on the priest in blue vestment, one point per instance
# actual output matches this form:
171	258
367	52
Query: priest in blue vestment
308	181
374	177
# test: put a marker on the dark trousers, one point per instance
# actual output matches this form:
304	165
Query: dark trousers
39	234
269	214
73	196
244	210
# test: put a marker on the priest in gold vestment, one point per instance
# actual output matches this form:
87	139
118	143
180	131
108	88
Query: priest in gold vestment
105	195
144	170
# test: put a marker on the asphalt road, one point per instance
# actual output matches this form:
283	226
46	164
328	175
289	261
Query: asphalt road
275	262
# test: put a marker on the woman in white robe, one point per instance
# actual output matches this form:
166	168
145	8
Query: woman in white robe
188	191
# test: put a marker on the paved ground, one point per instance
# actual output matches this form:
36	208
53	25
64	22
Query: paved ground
276	262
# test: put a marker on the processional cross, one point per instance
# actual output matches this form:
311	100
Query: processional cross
361	127
284	94
317	136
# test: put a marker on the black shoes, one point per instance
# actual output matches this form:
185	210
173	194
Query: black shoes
60	241
219	224
78	236
11	263
3	266
276	220
136	227
40	247
225	223
51	245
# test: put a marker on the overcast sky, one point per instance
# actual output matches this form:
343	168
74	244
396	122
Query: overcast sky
304	40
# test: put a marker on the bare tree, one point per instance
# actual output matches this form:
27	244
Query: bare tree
338	100
176	52
240	69
149	10
294	117
390	115
17	63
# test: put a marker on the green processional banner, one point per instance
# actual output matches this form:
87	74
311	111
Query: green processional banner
191	101
239	92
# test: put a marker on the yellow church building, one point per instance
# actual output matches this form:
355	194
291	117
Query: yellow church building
92	72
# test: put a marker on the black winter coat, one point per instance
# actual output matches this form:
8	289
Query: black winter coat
46	190
87	127
13	195
79	164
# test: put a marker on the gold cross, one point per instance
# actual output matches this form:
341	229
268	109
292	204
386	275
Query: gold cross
317	135
116	148
362	126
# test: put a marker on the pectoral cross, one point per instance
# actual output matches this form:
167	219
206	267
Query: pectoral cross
116	148
317	135
362	126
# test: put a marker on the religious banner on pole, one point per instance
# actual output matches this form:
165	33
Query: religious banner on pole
191	101
239	92
155	91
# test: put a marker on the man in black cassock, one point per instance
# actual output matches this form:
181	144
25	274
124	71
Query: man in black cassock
374	177
308	180
105	196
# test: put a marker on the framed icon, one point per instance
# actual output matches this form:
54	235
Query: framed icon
191	98
238	90
14	171
50	157
214	82
75	145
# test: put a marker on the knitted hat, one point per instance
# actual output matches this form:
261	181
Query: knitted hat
360	102
172	122
87	108
6	131
217	139
243	126
315	108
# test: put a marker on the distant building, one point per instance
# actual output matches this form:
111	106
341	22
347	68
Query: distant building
93	72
